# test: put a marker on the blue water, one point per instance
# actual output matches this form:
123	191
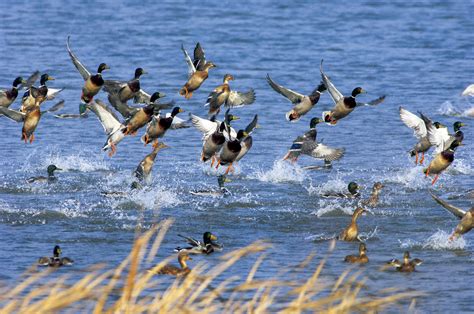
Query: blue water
419	54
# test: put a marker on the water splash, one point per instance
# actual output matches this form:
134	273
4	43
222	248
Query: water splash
439	241
282	171
412	178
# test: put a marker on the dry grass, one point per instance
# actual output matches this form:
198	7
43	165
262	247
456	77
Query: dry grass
132	288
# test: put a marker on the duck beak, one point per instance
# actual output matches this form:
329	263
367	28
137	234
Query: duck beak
59	169
258	126
232	118
227	180
463	124
162	95
50	78
23	82
165	146
213	237
363	91
181	110
106	67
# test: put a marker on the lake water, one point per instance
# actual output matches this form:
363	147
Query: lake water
418	53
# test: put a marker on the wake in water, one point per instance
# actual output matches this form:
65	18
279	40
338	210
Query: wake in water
439	241
281	172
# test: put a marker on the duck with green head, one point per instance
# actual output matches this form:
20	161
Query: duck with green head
124	91
208	245
35	96
159	124
222	191
352	188
142	116
8	96
50	178
231	150
56	260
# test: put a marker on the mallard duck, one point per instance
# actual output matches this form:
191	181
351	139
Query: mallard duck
224	95
124	91
35	96
343	105
441	161
30	118
198	71
361	258
351	233
302	103
50	178
373	200
197	247
158	126
214	134
183	270
128	111
439	136
353	189
142	116
56	260
8	96
134	186
92	83
222	191
466	216
469	91
247	141
231	150
306	144
144	167
407	266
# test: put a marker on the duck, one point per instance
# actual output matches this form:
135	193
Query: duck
231	150
420	131
344	105
183	270
352	188
145	166
56	260
306	144
302	104
214	135
351	233
8	96
198	71
468	91
35	96
467	217
208	245
247	141
440	138
124	91
361	258
407	266
143	115
222	191
50	178
230	98
373	200
441	161
92	83
158	126
30	118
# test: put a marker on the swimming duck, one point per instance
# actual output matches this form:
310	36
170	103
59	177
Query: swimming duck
353	189
124	91
133	187
441	161
198	71
351	233
158	126
231	150
247	141
110	123
7	97
37	95
50	178
143	115
92	83
197	247
343	105
306	144
373	200
407	266
183	270
144	167
222	191
361	258
30	118
466	216
302	103
55	260
224	95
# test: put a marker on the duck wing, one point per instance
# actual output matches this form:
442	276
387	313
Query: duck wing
106	116
79	66
292	96
177	123
456	211
59	105
44	261
437	137
413	122
32	79
125	110
191	241
238	99
199	57
53	92
13	114
322	151
205	126
335	94
189	62
374	102
113	86
252	125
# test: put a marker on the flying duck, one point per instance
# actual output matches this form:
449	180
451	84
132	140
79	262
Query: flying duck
37	95
198	71
145	166
8	96
158	126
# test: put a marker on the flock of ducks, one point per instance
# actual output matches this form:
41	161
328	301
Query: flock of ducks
222	145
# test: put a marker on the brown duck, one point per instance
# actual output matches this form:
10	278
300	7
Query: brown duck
224	95
198	71
37	95
441	161
361	258
124	91
7	97
407	266
177	271
142	116
373	200
159	125
143	170
231	150
351	233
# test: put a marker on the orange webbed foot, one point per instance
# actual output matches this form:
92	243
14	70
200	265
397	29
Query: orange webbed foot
422	158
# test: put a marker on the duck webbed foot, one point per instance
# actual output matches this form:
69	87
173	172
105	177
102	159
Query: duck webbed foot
422	158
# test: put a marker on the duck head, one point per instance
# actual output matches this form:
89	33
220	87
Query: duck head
358	90
156	96
230	117
51	169
209	65
175	111
56	251
439	125
406	257
44	78
139	72
314	122
208	237
362	249
353	188
241	135
228	77
358	212
377	186
102	67
221	180
458	125
18	81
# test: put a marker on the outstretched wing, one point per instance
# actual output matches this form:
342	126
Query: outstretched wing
335	94
413	122
56	107
32	79
292	96
238	99
199	57
438	137
79	66
207	127
177	123
107	118
325	152
456	211
189	62
113	86
191	241
374	102
252	125
13	114
125	110
53	92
